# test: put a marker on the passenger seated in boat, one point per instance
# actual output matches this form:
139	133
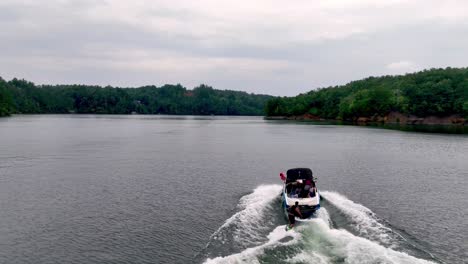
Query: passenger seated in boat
294	193
313	189
312	192
293	189
297	192
306	189
299	185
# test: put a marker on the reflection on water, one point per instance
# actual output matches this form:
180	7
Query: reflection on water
442	129
445	129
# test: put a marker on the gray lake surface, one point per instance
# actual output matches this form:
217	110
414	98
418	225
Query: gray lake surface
191	189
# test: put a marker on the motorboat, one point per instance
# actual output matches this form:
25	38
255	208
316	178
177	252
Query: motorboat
300	185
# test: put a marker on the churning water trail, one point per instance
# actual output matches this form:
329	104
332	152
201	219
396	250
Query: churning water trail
365	223
249	226
256	234
255	208
363	220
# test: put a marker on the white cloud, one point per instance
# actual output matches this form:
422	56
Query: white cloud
314	43
402	66
261	22
266	22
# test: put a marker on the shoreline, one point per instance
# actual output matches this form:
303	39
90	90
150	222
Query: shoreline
393	118
410	125
113	114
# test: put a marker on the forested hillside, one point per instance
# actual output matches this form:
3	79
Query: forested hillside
6	101
21	96
435	92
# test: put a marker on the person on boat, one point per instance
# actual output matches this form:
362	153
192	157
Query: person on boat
299	187
313	189
312	192
306	189
293	211
294	188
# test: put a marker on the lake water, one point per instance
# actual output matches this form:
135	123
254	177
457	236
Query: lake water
184	189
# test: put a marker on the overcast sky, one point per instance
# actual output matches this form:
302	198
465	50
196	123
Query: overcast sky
262	46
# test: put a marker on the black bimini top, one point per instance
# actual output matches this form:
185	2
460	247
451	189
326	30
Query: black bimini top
298	174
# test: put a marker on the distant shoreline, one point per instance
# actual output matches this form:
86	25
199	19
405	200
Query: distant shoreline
426	128
411	124
393	118
131	114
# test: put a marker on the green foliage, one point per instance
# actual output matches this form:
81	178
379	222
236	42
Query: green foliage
168	99
367	102
438	92
6	101
465	109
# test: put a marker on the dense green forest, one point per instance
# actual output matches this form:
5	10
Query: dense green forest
21	96
6	100
435	92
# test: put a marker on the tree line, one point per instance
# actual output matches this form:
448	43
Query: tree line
21	96
434	92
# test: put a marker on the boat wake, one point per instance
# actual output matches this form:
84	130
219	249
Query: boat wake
250	225
362	220
256	234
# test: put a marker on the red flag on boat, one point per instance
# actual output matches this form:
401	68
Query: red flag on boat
283	178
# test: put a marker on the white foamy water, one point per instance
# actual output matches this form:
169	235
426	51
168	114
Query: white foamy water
363	220
250	255
323	244
313	241
246	225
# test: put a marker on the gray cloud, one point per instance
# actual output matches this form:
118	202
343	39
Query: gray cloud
263	47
